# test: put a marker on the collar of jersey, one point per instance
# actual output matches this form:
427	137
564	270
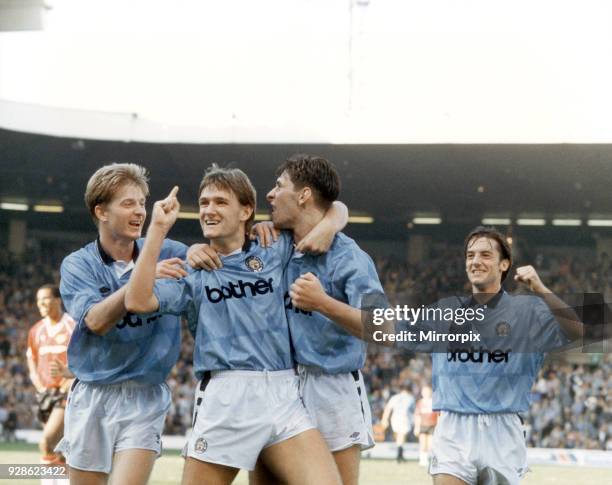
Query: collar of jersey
492	303
108	259
233	253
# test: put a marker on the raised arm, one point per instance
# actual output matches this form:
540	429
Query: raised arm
320	238
564	314
139	297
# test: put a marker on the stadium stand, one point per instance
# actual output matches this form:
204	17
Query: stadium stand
569	407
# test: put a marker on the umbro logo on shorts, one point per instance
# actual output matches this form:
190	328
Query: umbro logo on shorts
104	290
239	289
355	435
200	445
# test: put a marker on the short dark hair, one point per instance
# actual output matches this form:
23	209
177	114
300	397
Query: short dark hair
315	172
490	232
233	180
54	289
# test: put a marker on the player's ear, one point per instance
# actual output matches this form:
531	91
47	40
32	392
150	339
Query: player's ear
100	212
504	265
305	195
245	213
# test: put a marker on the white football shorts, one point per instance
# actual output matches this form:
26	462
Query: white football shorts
339	407
400	424
483	449
239	413
103	419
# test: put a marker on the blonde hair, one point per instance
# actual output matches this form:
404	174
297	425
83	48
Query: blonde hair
236	181
105	182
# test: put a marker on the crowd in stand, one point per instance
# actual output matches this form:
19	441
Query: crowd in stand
569	407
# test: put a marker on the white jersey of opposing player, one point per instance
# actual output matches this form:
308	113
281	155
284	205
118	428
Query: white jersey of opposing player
402	407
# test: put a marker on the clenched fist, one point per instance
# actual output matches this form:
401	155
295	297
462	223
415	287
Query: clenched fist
529	276
307	293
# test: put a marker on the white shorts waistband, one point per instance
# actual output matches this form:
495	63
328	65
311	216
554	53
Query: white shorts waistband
266	374
129	384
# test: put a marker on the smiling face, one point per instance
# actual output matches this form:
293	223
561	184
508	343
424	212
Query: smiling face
123	217
484	265
284	202
222	216
48	304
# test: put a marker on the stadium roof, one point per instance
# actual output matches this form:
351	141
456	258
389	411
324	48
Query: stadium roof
461	184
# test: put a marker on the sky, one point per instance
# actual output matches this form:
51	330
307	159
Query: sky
350	71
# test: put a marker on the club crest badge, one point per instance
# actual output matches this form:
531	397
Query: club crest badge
253	263
502	329
200	445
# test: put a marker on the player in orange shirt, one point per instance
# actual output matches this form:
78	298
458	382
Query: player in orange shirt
47	362
425	420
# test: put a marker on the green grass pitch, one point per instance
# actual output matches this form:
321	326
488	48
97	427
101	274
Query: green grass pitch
168	469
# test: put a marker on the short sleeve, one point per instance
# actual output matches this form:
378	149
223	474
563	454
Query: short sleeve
32	351
284	246
355	276
78	289
546	332
174	249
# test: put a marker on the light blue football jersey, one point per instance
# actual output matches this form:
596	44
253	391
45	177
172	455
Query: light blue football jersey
241	322
347	274
139	347
496	375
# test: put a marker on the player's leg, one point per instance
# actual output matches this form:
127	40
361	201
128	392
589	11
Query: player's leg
137	414
302	460
81	477
400	439
51	435
132	466
423	450
344	422
503	453
196	472
347	461
52	432
455	451
263	476
88	438
444	479
231	425
428	444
